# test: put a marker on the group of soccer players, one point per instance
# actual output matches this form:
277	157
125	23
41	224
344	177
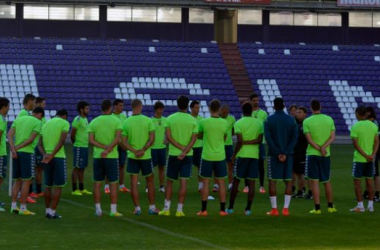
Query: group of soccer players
298	152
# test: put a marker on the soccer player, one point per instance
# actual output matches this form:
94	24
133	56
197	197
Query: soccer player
365	138
249	132
293	110
159	146
25	130
4	108
40	102
105	134
138	138
371	116
300	155
198	146
320	133
281	133
181	133
260	114
228	144
51	145
79	138
29	104
118	108
213	131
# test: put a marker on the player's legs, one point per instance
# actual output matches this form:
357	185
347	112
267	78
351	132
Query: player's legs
16	189
182	191
230	174
222	192
151	191
251	194
205	193
234	191
314	184
121	176
97	195
38	180
134	190
371	191
161	175
55	197
74	179
328	192
112	174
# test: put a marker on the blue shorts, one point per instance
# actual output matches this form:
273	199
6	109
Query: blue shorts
262	153
23	166
159	157
135	166
80	157
105	167
3	167
229	152
177	168
122	156
363	170
39	157
246	168
208	167
197	156
317	168
280	171
55	173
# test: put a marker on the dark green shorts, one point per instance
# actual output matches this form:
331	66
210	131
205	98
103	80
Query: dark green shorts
80	159
246	168
23	166
39	157
197	156
55	173
280	171
122	156
229	152
159	157
3	167
177	168
219	168
135	166
104	167
363	170
317	168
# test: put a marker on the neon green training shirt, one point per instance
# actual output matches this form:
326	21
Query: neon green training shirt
3	129
319	126
104	128
214	130
365	131
250	129
182	128
230	119
81	136
24	127
23	112
137	129
198	143
51	134
159	124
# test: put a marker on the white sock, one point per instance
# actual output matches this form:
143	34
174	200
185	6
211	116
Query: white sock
138	208
113	208
287	201
106	186
23	207
273	201
216	186
52	212
180	207
360	204
230	185
14	205
47	211
121	186
98	209
152	207
200	185
370	203
167	205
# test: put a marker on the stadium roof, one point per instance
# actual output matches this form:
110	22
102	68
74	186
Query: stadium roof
319	5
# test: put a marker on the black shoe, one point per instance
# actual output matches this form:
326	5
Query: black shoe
309	197
2	204
53	217
377	199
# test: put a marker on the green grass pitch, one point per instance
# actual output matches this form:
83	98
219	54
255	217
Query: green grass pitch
80	229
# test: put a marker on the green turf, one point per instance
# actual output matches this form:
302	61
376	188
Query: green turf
80	229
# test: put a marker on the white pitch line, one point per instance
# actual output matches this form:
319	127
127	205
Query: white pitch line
164	231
